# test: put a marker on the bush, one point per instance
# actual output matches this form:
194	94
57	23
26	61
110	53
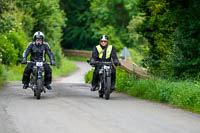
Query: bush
88	76
7	51
185	95
124	81
182	94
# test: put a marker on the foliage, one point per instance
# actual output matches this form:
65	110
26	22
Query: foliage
7	51
66	67
13	72
136	39
137	56
166	32
157	28
13	38
92	18
19	19
172	29
88	76
123	80
183	94
45	16
187	39
77	35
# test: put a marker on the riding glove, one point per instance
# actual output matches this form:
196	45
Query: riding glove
117	64
92	61
24	61
53	63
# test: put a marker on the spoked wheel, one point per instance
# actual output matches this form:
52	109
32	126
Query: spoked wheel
107	88
38	89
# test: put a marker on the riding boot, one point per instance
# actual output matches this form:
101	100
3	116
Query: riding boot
26	76
25	80
25	86
94	81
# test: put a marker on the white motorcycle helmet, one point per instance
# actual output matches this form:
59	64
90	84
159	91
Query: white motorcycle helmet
38	35
104	38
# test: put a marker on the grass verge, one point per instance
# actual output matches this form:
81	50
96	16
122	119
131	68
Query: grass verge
77	58
181	94
14	73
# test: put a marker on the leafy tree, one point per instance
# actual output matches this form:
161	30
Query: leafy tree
92	18
78	35
135	38
187	38
45	16
172	29
158	27
12	37
115	14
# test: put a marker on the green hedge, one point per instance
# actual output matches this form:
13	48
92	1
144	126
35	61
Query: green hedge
182	94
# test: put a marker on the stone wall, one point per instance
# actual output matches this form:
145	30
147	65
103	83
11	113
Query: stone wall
77	53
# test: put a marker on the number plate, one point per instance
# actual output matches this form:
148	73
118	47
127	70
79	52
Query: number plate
106	67
39	63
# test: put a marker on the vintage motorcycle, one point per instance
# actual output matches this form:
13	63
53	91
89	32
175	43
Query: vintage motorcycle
37	78
104	83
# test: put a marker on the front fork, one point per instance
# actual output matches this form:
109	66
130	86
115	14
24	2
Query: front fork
37	74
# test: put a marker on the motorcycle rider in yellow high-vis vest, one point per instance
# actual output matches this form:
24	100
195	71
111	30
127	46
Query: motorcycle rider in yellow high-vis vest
104	53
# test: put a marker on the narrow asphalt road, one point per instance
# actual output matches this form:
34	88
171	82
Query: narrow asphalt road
71	108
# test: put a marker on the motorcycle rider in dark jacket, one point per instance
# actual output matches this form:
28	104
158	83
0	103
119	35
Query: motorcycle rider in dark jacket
38	49
104	53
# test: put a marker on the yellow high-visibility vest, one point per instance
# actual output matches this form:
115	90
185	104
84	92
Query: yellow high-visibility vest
108	51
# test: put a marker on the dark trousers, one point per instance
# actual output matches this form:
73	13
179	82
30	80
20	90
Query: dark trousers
28	71
96	76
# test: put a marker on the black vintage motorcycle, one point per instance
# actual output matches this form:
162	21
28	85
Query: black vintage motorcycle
37	78
104	83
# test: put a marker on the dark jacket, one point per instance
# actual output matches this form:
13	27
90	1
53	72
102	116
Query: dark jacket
95	55
38	52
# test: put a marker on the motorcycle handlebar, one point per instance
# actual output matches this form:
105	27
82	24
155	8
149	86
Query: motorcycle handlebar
98	62
35	62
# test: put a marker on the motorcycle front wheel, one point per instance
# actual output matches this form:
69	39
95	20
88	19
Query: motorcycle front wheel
38	89
107	88
100	89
